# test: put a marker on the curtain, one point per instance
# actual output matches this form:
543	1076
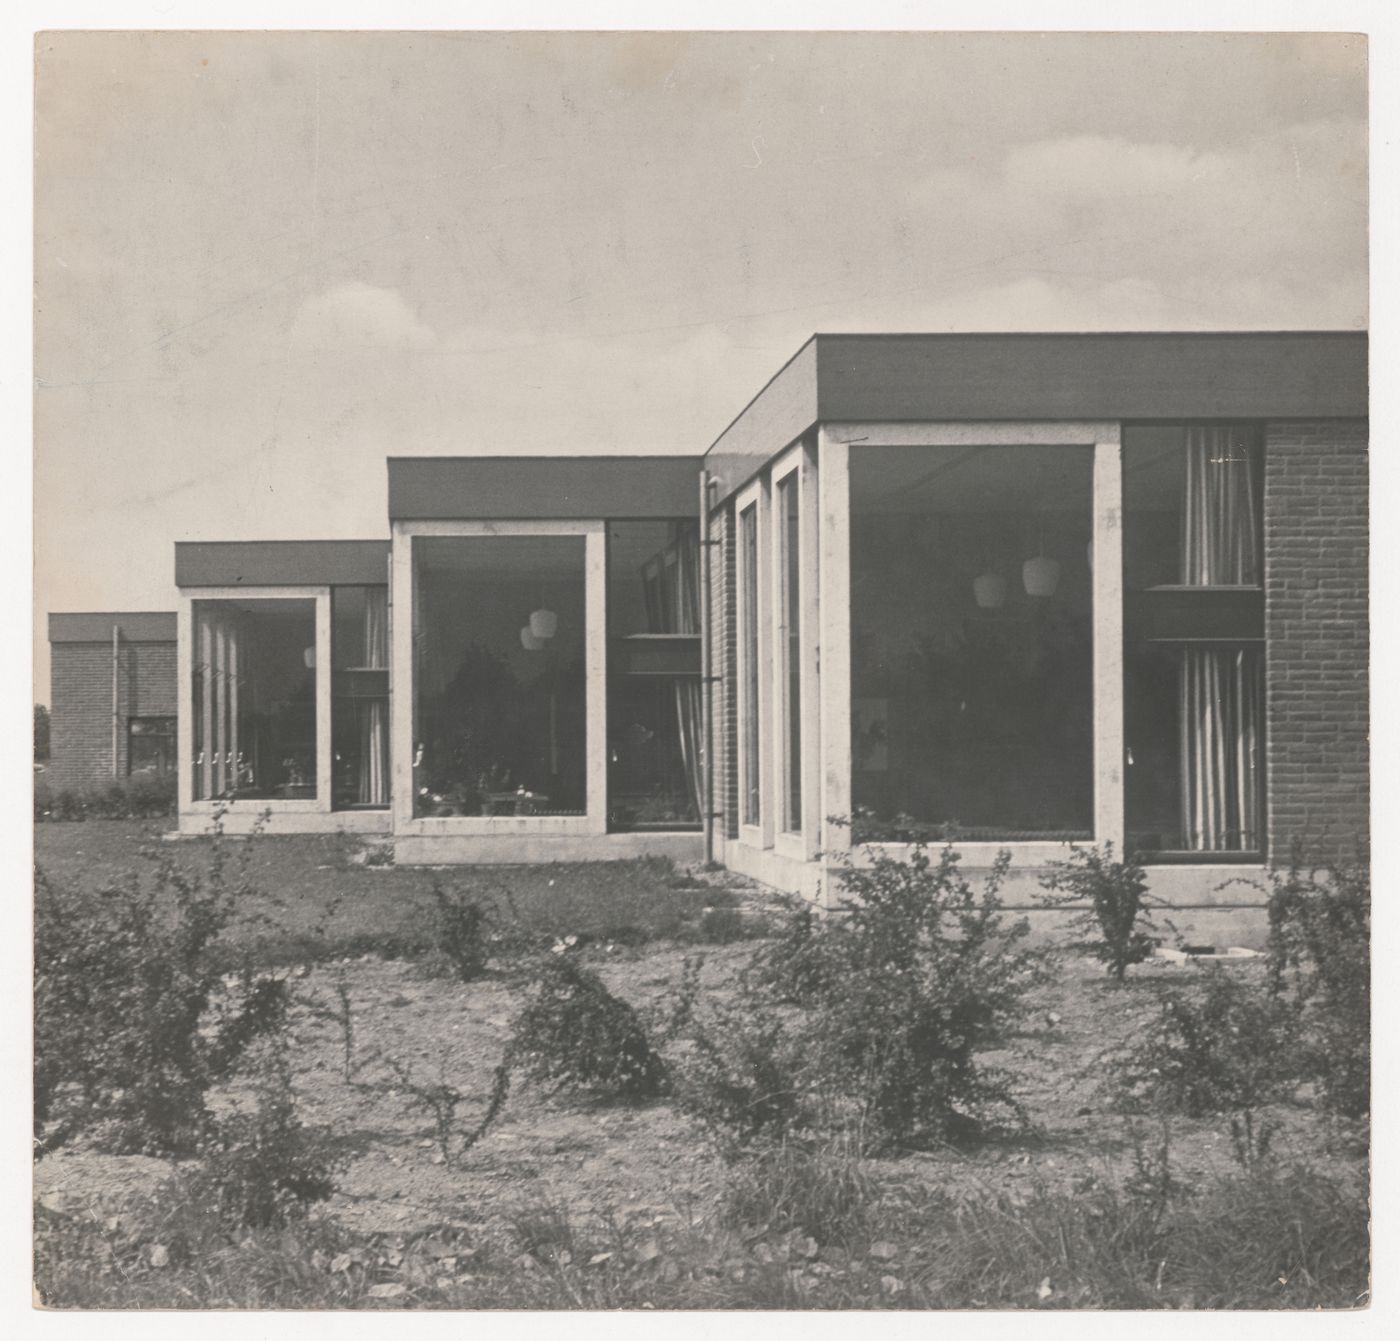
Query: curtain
1221	697
374	753
373	785
671	590
219	766
1220	519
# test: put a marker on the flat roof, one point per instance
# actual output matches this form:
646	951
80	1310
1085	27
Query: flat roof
281	563
95	626
1071	376
532	488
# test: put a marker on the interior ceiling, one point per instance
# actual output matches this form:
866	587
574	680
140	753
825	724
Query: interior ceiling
928	480
550	557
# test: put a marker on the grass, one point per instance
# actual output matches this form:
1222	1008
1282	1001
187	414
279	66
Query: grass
332	907
1286	1238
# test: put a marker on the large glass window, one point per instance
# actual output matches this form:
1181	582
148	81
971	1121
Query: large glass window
499	676
254	695
150	746
360	696
655	722
790	648
1193	655
972	642
750	757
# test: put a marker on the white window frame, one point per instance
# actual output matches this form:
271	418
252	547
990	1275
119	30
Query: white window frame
801	843
321	594
754	497
837	441
402	743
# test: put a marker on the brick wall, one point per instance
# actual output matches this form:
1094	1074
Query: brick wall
80	705
1316	614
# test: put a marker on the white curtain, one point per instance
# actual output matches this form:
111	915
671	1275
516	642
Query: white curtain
374	715
1221	695
219	765
1220	522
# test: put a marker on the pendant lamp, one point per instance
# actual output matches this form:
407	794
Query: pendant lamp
544	623
529	641
1041	576
990	591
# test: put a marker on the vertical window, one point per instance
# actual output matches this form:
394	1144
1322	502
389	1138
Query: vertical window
748	615
499	676
972	642
790	643
254	728
151	746
1193	627
655	719
360	696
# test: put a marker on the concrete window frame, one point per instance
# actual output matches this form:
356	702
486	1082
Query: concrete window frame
594	822
836	442
241	816
754	499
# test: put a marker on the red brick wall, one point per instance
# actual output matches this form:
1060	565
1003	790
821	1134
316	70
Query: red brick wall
80	705
1316	616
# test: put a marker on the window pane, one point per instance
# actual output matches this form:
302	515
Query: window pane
1192	505
748	537
1195	729
654	736
790	644
653	577
255	699
1193	684
499	676
150	745
360	696
972	641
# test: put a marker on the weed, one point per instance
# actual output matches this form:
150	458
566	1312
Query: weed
441	1102
820	1190
462	931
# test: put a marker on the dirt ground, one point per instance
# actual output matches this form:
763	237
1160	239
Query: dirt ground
651	1163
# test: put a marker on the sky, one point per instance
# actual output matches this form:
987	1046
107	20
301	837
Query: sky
267	261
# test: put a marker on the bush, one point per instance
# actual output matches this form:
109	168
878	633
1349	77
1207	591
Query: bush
462	931
135	1017
263	1167
1320	960
575	1032
1116	925
141	796
1224	1047
904	989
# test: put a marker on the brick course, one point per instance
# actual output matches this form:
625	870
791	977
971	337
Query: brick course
1317	626
80	705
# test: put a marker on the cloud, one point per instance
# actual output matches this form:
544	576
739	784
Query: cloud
354	315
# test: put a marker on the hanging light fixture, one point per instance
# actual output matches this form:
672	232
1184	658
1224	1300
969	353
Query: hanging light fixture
529	641
308	658
1041	575
544	623
989	591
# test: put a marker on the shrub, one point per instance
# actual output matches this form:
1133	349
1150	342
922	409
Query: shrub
441	1102
262	1167
1222	1047
135	1017
462	931
905	989
1320	959
141	796
1116	924
575	1032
